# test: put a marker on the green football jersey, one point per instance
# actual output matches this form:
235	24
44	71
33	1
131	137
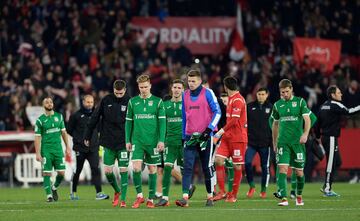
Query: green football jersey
173	122
290	116
49	128
145	121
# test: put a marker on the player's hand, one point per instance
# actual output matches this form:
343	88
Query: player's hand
160	146
219	133
68	151
87	143
205	135
275	148
303	138
129	147
318	140
39	158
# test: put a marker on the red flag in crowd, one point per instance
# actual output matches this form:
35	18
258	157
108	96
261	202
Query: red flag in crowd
237	49
319	51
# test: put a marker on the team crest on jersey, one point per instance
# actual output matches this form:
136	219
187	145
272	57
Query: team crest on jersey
267	110
123	108
56	119
151	103
294	104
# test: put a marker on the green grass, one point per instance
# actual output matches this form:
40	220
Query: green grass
29	204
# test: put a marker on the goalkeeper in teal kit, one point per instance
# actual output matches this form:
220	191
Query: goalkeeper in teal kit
49	129
145	130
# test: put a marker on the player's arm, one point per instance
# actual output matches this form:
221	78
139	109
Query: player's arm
65	137
307	122
129	125
162	125
274	118
342	109
215	108
37	140
238	109
93	122
70	127
183	116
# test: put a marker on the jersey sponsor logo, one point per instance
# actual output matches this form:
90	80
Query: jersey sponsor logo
151	103
325	108
137	103
294	104
52	130
289	118
144	116
194	107
123	108
267	110
110	105
282	105
174	119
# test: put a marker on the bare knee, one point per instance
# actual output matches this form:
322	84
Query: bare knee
108	169
219	161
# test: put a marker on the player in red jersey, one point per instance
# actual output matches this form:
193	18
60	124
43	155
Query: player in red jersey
234	140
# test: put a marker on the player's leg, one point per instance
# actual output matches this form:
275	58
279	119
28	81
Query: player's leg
109	161
299	159
283	160
93	159
207	168
293	181
222	153
331	148
123	161
230	173
238	153
249	156
137	160
265	169
80	159
59	165
170	154
46	171
189	154
160	174
152	160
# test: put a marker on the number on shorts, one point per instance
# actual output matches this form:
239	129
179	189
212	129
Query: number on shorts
280	151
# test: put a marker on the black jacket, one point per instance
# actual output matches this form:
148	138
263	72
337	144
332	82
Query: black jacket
111	114
329	118
76	128
259	132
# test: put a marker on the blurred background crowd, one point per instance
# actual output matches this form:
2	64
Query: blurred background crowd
69	48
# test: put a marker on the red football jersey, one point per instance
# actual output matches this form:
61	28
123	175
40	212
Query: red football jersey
236	109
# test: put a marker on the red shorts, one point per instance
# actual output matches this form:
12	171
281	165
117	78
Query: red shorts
235	150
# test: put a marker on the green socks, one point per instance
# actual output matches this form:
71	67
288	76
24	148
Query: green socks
47	185
166	180
152	185
230	180
300	184
282	184
112	180
124	184
137	181
58	180
293	180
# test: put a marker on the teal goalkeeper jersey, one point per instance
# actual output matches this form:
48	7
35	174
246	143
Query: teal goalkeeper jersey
145	121
49	128
173	122
290	116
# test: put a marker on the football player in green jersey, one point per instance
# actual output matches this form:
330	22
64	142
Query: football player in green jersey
145	136
49	128
173	141
289	137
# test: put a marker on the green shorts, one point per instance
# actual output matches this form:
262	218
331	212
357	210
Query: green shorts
291	154
122	156
149	154
53	160
172	153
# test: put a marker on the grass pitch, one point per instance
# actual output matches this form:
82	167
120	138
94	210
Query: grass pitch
29	204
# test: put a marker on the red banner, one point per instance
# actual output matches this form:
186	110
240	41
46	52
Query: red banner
320	52
204	35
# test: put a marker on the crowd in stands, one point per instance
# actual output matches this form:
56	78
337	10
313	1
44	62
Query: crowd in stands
70	48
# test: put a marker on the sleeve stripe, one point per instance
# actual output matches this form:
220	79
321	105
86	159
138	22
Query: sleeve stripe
128	118
38	135
235	115
339	104
39	121
63	129
354	109
306	114
213	95
216	120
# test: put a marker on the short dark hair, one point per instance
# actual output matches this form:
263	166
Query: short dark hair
284	83
263	89
331	90
231	83
194	73
223	94
178	81
119	84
